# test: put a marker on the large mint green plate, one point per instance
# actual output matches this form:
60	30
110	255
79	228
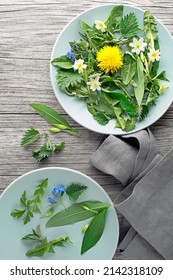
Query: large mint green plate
77	109
12	230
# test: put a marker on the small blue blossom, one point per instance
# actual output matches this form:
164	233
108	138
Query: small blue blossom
70	55
51	200
58	190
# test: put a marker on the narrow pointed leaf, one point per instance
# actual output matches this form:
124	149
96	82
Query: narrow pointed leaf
76	213
139	79
52	117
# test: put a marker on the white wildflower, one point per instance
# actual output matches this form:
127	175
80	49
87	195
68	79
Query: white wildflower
154	55
79	65
138	45
94	84
100	25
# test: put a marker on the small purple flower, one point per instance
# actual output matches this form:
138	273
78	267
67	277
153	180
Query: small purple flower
51	200
58	190
69	55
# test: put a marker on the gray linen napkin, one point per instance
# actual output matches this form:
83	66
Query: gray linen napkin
147	198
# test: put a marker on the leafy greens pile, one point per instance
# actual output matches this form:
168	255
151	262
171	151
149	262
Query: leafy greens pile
126	92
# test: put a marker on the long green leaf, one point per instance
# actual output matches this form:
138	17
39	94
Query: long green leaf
129	69
76	213
125	104
139	80
52	117
94	231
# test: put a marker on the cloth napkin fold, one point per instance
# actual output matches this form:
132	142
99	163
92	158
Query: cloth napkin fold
146	201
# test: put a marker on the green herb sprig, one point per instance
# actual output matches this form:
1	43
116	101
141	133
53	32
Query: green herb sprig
44	246
32	205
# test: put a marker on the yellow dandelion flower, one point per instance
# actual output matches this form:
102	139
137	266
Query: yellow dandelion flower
110	59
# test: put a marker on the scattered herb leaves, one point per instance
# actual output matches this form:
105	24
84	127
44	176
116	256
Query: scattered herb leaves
74	190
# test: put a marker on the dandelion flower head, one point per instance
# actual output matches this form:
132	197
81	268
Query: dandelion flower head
110	59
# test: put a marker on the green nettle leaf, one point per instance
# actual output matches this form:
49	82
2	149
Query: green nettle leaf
144	110
74	190
68	78
128	25
139	80
129	69
59	147
30	136
101	118
62	62
94	231
76	213
125	104
52	117
115	16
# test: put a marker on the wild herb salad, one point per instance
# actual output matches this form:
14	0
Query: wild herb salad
114	68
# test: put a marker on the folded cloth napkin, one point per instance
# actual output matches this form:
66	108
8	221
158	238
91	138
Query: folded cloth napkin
146	201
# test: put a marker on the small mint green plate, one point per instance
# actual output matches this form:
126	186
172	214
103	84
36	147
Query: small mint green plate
12	230
76	108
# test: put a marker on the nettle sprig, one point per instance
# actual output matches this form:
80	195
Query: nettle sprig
59	124
116	76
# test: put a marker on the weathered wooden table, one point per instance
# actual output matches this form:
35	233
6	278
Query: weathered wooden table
28	30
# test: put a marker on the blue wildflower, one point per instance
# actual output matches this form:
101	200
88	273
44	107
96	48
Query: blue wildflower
70	54
58	190
51	200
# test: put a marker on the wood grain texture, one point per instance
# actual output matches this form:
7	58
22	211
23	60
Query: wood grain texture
28	30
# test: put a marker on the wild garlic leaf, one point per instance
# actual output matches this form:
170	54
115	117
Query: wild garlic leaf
101	118
46	246
125	103
76	213
52	117
30	136
115	17
139	80
129	69
59	147
94	231
128	25
62	62
74	190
